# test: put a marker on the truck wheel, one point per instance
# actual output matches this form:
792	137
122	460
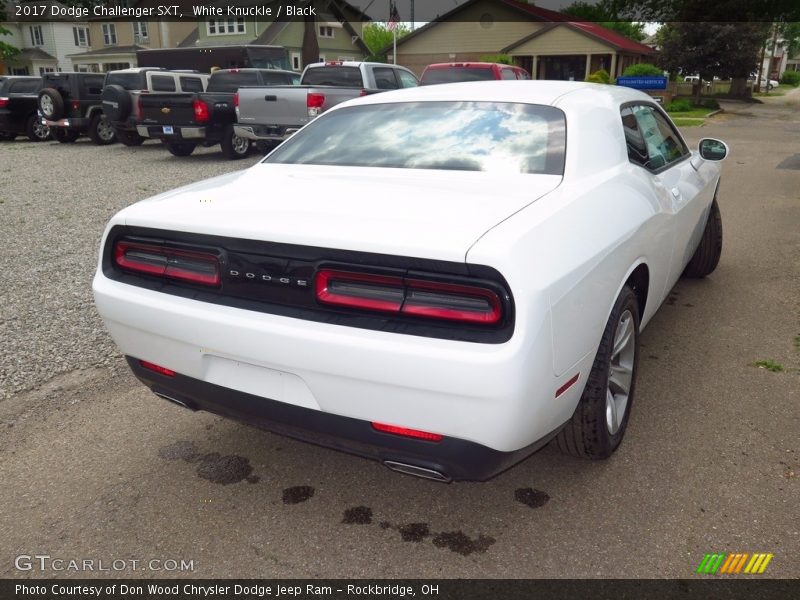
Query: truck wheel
35	130
233	146
51	103
706	258
599	422
129	138
66	136
101	131
177	149
117	103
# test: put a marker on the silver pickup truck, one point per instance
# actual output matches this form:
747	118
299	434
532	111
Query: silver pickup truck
272	114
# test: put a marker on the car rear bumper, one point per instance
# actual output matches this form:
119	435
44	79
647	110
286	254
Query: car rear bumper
450	459
76	123
178	132
276	133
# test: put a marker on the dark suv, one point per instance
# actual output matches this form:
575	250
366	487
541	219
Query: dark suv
70	104
18	108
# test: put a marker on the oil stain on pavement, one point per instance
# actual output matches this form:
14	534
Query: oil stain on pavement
298	494
531	497
214	467
358	515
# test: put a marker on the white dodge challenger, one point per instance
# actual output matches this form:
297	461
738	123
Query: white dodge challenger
442	278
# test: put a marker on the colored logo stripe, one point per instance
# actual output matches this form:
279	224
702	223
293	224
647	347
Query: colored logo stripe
734	563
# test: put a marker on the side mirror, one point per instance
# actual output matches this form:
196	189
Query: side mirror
711	149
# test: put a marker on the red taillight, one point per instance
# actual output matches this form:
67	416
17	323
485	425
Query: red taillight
160	261
415	297
76	105
3	102
362	93
201	112
406	432
138	114
157	368
314	103
236	99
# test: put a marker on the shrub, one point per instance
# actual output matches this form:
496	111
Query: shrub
503	59
600	76
679	105
791	78
643	70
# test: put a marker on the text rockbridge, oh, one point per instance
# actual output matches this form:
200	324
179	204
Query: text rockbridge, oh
219	591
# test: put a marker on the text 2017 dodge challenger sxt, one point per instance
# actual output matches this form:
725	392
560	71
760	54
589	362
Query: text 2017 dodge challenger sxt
442	278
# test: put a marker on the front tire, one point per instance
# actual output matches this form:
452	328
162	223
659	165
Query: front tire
598	425
706	258
177	149
233	146
101	131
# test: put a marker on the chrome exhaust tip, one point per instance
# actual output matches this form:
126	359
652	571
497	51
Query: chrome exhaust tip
417	471
182	403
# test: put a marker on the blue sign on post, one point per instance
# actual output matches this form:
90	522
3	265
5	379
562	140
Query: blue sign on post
643	83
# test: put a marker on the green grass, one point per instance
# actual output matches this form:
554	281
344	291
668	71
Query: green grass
696	112
781	90
796	338
769	365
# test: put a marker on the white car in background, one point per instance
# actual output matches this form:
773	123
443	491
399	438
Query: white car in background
443	278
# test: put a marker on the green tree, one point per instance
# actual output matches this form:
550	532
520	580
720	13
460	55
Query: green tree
7	51
643	70
377	36
711	50
604	14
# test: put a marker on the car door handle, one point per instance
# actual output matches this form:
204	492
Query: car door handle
676	193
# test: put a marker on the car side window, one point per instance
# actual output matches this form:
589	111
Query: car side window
385	78
191	84
637	150
664	145
162	83
24	87
507	74
407	79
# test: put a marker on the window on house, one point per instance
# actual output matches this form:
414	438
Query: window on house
296	63
81	36
109	34
20	71
325	31
37	39
225	26
140	33
43	70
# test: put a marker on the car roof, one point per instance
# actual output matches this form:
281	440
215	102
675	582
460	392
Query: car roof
349	63
527	92
470	65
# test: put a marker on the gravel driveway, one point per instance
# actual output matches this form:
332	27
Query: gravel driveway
55	200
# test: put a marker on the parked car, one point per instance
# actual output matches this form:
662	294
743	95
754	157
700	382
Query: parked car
273	114
19	109
184	121
470	71
122	89
70	105
442	278
769	84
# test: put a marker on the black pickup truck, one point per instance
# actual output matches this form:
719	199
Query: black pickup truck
18	109
184	121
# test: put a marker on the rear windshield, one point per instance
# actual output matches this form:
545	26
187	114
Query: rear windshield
341	76
498	137
454	74
230	81
129	81
24	86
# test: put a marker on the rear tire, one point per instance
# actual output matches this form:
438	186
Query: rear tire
177	149
129	138
35	130
601	418
101	131
706	258
233	146
66	136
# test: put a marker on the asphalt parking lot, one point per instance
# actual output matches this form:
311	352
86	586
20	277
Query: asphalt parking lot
93	466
